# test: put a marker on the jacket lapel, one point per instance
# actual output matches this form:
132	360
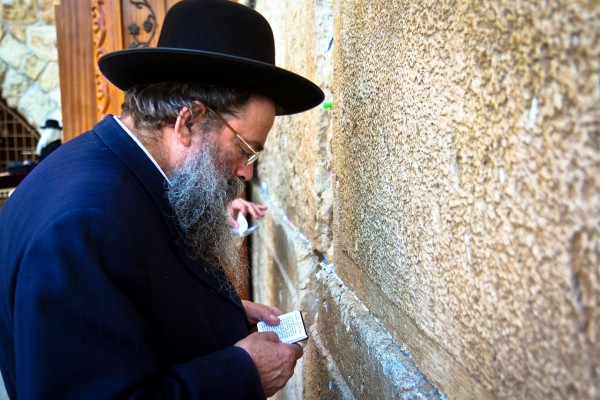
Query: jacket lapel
150	177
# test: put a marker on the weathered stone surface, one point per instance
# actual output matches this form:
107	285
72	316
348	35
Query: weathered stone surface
57	113
12	51
283	274
42	41
32	66
322	378
14	85
49	79
19	11
47	11
28	57
37	104
19	32
373	365
462	150
284	263
467	191
295	169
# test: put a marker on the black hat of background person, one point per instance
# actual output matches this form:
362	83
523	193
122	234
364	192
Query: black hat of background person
51	123
213	42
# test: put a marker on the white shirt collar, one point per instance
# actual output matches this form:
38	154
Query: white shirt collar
135	139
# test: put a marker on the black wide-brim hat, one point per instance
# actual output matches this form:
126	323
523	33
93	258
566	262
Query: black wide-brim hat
51	123
214	42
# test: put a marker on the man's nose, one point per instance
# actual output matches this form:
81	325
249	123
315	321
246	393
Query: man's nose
245	172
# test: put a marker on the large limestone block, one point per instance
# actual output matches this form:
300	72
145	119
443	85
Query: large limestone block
322	379
36	105
42	41
47	11
12	51
32	66
57	113
466	150
283	273
349	339
49	79
283	262
14	85
19	32
296	166
19	11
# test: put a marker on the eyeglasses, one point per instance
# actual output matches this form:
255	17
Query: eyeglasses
250	152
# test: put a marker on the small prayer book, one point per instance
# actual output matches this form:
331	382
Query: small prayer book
290	330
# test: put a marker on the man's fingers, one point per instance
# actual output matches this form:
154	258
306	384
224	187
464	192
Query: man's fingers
270	318
275	310
255	212
268	336
274	360
299	351
269	315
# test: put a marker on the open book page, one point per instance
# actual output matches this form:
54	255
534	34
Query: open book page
290	330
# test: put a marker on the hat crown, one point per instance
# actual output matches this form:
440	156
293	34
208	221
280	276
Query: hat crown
51	123
218	26
213	42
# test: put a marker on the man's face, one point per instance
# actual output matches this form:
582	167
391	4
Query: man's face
252	124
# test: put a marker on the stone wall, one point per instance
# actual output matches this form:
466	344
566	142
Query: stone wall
439	226
29	78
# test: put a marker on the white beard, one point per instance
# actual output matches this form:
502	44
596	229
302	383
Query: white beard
200	193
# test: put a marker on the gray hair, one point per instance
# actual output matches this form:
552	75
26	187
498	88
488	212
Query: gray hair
154	105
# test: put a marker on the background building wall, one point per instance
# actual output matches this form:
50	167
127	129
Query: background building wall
29	79
453	188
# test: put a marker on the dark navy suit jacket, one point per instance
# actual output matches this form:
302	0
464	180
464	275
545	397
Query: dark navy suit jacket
98	296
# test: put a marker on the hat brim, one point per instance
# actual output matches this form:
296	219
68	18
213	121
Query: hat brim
291	92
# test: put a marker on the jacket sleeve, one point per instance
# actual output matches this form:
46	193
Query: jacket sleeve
78	335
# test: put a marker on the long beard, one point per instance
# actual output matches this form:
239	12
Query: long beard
200	193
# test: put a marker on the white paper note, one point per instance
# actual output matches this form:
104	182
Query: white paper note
243	229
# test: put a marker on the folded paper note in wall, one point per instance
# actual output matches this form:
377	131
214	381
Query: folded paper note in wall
243	229
290	330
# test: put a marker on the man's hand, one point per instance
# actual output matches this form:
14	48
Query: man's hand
244	207
259	312
275	361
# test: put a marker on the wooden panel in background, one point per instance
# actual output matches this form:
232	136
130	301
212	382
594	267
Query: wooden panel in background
76	66
144	17
106	17
86	30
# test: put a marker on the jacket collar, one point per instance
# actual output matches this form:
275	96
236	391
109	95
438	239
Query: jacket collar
115	138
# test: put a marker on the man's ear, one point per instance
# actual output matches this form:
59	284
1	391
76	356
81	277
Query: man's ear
182	131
